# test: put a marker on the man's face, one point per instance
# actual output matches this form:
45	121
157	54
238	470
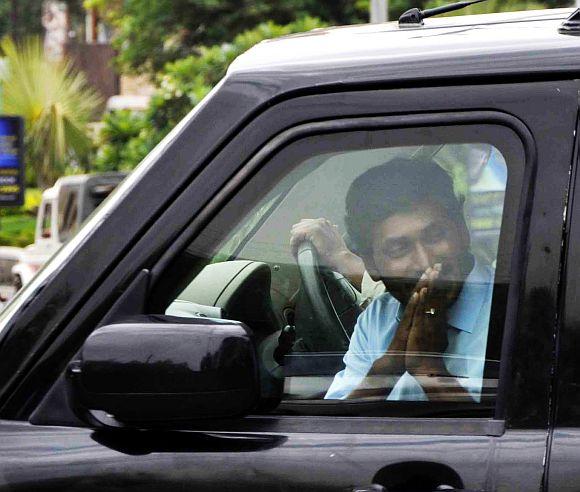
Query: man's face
406	244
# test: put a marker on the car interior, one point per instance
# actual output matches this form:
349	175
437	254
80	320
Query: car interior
302	313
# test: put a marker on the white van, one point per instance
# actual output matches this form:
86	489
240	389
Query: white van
62	210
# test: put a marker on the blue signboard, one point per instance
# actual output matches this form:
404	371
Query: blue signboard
11	161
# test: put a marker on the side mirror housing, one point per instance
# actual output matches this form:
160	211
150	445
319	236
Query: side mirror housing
151	372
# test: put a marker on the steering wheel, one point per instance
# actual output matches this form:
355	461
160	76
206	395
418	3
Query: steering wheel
334	303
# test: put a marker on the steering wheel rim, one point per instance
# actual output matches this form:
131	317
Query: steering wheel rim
314	281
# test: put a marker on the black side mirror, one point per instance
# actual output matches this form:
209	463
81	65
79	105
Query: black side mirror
157	373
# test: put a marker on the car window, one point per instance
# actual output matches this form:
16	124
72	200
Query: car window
46	230
68	205
371	266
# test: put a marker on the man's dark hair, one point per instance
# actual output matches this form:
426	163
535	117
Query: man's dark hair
394	187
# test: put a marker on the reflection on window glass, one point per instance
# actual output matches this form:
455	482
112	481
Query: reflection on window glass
68	207
431	322
46	221
366	274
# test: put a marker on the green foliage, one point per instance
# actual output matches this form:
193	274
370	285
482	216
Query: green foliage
160	32
119	128
56	105
17	230
552	4
126	137
502	6
32	198
17	224
22	18
150	33
185	82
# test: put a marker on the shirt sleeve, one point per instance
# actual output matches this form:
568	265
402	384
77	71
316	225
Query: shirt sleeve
357	361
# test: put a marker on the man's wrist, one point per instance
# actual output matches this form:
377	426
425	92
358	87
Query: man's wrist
348	263
390	364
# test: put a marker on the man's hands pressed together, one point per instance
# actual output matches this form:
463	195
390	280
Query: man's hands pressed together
427	338
422	330
420	339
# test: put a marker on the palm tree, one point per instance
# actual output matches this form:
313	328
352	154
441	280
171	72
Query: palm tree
54	101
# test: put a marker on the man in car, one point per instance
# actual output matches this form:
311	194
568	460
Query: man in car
426	336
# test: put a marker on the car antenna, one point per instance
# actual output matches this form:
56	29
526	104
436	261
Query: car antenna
414	17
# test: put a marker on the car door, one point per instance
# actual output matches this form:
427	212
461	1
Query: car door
563	451
307	442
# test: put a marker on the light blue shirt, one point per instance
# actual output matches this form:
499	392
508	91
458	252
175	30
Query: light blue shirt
465	354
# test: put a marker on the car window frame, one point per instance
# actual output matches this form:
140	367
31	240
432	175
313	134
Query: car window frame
123	282
474	426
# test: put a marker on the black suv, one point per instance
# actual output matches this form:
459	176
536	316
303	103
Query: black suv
351	267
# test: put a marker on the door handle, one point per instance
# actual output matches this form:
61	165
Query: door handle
373	487
451	489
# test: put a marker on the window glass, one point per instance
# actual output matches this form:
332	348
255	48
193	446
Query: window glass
371	266
68	209
46	221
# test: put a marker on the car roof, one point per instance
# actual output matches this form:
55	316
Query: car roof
487	44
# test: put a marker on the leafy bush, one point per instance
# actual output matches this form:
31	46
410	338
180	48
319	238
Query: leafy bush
119	127
150	33
502	6
128	137
17	230
32	198
17	224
